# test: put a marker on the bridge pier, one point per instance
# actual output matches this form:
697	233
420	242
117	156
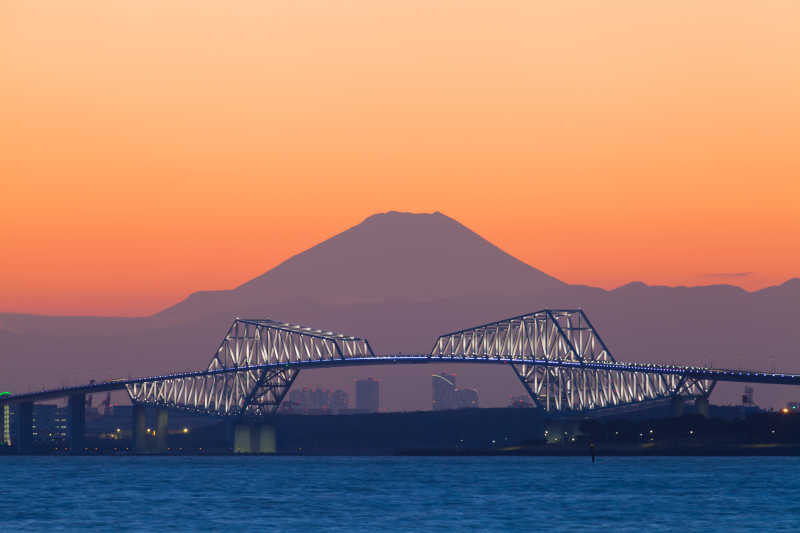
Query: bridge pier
138	429
249	438
242	439
676	406
24	427
162	430
266	439
77	423
701	406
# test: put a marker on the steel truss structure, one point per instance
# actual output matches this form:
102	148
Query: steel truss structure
252	369
577	371
557	355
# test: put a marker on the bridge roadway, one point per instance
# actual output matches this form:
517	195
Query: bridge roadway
262	438
557	354
713	374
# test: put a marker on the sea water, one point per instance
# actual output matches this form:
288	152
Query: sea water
422	494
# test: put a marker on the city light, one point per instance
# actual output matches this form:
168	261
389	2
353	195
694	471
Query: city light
785	410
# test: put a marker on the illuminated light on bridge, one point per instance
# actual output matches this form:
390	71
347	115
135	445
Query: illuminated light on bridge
581	373
252	370
557	354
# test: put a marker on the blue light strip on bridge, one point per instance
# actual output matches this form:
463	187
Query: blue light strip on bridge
648	368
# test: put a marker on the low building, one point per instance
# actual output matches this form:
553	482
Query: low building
316	401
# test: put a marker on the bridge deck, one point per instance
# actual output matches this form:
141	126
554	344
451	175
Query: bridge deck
714	374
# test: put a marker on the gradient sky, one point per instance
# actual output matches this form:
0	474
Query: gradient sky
151	148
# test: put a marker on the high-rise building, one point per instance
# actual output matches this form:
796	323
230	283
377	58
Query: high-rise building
447	396
7	428
368	395
340	401
443	389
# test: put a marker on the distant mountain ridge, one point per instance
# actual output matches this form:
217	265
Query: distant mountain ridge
401	279
388	256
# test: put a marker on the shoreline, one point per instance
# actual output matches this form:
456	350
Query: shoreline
757	450
745	450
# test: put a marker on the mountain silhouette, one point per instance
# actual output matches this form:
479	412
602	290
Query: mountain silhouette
401	279
389	256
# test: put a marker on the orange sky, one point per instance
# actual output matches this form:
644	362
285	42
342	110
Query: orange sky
150	148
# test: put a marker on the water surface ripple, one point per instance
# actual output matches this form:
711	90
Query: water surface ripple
399	494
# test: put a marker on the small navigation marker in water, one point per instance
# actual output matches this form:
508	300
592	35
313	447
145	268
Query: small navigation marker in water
591	447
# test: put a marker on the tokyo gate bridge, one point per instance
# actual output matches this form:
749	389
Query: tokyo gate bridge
557	354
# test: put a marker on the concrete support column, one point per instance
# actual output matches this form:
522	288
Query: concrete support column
138	429
702	407
254	439
229	428
162	430
242	439
24	427
266	439
77	423
676	406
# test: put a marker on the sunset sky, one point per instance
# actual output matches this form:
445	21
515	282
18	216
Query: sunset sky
151	148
